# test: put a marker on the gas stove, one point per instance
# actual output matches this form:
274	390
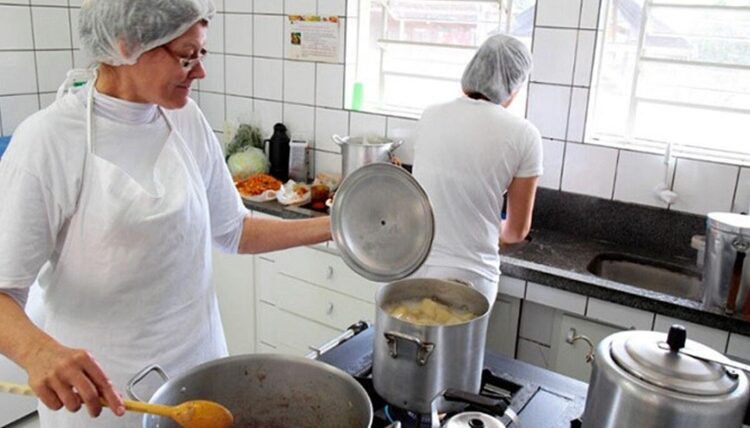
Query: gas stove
540	398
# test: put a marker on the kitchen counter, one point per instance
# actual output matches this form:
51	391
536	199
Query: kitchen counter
284	211
562	245
560	260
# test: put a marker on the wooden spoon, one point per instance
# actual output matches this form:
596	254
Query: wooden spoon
190	414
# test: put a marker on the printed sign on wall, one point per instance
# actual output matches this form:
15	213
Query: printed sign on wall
314	38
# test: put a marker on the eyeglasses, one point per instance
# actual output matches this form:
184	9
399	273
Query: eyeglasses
187	64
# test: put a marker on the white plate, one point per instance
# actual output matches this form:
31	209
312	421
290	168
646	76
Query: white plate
268	195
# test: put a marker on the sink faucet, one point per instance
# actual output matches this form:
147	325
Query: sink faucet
663	190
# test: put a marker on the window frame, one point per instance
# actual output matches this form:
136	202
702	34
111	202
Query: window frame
629	140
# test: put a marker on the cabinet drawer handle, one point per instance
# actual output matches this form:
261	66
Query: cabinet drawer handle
572	337
329	310
329	272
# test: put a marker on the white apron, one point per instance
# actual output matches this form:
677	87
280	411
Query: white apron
131	281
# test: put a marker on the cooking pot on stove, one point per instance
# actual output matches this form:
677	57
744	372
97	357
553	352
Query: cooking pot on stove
413	364
357	152
267	390
649	379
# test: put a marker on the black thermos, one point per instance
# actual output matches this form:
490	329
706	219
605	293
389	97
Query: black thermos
278	152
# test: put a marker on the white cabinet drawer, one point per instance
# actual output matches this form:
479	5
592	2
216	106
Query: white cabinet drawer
265	272
708	336
739	347
264	348
555	298
513	287
619	315
570	358
285	331
326	270
319	304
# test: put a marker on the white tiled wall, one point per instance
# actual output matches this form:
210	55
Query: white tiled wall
250	78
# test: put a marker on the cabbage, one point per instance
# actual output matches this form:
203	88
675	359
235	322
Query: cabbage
246	163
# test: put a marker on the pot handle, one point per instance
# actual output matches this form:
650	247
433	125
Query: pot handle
396	144
741	247
339	140
424	349
139	377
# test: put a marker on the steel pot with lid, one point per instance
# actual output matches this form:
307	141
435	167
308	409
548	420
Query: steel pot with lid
357	152
649	379
726	274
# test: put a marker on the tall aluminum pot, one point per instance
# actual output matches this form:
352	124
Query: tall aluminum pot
726	271
266	390
412	364
356	152
640	380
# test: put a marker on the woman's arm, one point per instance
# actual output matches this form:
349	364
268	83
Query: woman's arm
521	194
53	369
260	235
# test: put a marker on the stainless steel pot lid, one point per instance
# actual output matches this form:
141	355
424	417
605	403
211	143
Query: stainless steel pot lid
382	222
729	222
646	355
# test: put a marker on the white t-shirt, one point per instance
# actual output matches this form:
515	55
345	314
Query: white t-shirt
41	172
467	152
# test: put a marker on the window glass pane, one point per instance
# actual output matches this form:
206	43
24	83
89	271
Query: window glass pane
685	80
408	54
713	86
706	35
719	130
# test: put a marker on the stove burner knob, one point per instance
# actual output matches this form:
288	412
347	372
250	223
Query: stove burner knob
476	423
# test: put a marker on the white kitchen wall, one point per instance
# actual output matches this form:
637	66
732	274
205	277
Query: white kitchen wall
251	78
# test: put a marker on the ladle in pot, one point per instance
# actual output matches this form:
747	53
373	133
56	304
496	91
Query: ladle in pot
190	414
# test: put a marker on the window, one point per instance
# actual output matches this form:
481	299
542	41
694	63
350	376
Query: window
674	71
409	54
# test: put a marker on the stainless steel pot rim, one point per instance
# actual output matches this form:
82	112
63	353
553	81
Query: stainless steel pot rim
382	222
318	365
416	290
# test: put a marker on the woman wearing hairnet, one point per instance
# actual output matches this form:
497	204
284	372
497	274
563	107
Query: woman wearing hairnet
121	186
468	153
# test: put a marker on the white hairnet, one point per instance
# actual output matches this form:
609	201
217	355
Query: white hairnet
117	32
498	69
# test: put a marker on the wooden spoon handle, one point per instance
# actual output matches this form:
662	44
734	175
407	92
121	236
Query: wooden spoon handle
135	406
154	409
15	388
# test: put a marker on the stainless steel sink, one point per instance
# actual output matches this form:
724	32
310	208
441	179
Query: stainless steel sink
649	274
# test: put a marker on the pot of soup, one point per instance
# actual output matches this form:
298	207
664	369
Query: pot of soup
429	337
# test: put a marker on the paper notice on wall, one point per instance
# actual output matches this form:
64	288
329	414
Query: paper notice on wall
314	38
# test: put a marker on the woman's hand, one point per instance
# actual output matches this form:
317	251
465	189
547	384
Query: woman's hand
62	376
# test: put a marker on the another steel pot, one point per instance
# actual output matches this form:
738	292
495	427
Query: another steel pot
266	390
412	364
641	379
356	153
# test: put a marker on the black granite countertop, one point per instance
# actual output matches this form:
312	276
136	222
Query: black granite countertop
567	236
560	260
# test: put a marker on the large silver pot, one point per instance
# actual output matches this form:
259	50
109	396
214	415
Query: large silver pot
266	390
356	152
642	379
413	364
726	272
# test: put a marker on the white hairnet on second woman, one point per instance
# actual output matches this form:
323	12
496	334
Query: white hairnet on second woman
117	32
498	69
